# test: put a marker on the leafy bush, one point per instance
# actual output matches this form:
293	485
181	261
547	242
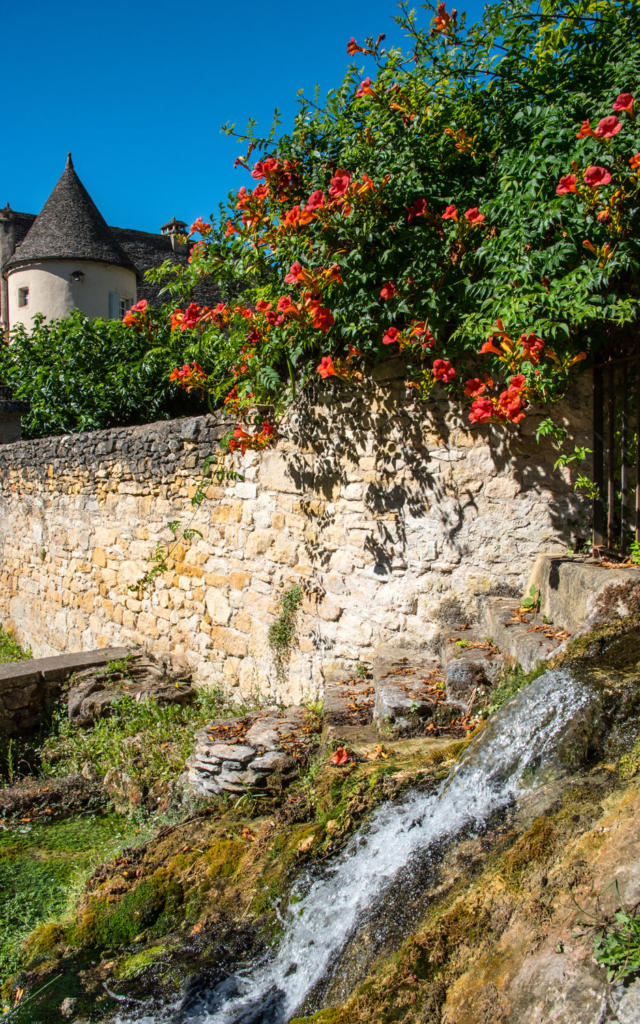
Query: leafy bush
148	741
457	192
618	948
10	649
83	374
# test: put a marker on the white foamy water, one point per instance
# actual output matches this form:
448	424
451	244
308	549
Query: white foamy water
318	927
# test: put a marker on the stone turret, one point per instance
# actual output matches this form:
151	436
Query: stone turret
68	259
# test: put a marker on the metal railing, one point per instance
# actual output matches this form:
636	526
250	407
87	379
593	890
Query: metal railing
616	448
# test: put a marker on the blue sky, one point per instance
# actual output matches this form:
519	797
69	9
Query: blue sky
138	91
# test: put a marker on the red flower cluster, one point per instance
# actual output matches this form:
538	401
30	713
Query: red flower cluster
195	315
392	335
596	176
200	227
507	407
339	184
624	103
341	368
243	441
418	208
445	22
365	89
190	377
472	216
137	315
569	183
443	370
388	290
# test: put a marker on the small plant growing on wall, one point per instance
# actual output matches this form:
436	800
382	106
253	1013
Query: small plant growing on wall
282	632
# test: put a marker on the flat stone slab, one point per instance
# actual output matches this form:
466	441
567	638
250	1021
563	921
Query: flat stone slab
524	638
60	666
575	593
409	692
348	699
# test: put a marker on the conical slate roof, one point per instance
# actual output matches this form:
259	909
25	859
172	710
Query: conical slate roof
70	226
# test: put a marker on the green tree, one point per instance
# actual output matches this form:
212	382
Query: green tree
83	374
448	196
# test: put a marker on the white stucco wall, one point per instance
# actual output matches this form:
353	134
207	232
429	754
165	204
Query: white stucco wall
54	293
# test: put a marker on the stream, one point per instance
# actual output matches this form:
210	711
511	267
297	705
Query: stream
333	902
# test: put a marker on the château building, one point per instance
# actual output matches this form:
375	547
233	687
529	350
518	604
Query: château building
67	257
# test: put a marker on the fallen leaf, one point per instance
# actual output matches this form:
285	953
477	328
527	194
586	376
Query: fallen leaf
340	756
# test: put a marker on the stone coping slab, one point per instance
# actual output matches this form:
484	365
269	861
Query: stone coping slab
59	666
570	589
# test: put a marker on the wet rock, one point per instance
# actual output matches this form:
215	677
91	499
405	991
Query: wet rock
468	665
68	1007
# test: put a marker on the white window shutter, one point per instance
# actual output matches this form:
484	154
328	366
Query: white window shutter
114	305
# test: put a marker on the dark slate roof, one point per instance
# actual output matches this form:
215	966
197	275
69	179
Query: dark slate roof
70	226
21	222
147	250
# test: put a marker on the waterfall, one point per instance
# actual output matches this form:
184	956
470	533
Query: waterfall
333	901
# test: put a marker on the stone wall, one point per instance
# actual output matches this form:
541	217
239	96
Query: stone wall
394	517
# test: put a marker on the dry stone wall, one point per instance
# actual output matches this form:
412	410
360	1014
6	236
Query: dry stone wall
393	516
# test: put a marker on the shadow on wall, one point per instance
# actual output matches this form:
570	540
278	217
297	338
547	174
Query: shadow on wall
407	441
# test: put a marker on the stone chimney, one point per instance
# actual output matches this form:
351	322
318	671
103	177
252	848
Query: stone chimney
177	231
7	245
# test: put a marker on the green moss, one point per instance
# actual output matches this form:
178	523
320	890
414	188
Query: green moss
42	871
135	964
530	850
509	683
629	764
223	857
153	902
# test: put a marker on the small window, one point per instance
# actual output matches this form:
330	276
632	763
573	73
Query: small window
125	305
23	296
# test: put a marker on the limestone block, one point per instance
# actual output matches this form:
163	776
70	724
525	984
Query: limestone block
239	580
227	640
258	542
275	473
218	607
246	490
129	572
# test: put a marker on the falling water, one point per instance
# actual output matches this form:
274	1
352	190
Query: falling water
334	902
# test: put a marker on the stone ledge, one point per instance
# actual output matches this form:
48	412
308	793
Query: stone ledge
570	589
58	667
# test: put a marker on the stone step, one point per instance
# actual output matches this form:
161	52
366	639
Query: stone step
470	663
409	691
348	699
524	638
